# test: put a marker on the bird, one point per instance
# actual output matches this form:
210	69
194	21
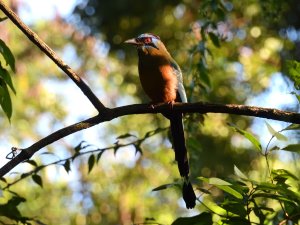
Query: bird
161	79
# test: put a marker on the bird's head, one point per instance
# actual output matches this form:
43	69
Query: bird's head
148	44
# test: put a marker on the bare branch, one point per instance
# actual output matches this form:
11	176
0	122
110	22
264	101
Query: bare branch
109	114
53	56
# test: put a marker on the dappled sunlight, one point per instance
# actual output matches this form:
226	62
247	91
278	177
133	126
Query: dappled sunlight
124	171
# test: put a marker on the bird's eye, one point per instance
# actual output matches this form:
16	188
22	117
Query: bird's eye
147	40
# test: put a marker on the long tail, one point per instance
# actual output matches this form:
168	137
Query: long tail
181	157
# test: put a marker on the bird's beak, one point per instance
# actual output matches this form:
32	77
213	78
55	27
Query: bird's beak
131	41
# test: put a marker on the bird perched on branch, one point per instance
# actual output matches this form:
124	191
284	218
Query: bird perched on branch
161	79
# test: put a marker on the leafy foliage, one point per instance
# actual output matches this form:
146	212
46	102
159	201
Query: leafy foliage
5	79
227	52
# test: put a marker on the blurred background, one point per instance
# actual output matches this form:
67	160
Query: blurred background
229	52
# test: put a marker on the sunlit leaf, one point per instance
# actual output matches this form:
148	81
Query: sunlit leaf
278	135
292	148
282	173
292	69
223	185
249	136
37	179
266	186
239	173
217	181
230	191
91	162
7	55
201	219
214	181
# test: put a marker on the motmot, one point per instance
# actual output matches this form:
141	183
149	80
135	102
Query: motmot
161	79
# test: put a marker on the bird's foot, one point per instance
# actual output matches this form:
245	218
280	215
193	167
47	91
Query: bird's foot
153	105
171	104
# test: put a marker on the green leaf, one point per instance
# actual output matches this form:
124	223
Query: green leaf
165	186
116	148
7	78
124	136
278	135
31	162
217	181
272	196
230	191
274	148
204	218
91	162
99	155
292	70
282	173
296	95
223	185
37	179
214	38
249	136
293	127
203	72
153	132
7	55
266	187
239	173
3	18
67	166
234	207
138	149
214	181
82	145
204	190
5	100
10	209
292	148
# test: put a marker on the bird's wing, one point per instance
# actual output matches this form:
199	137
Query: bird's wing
180	87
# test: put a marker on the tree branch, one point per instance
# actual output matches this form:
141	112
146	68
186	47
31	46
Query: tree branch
110	114
33	37
106	114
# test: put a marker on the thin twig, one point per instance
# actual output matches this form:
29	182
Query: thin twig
34	38
80	153
110	114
